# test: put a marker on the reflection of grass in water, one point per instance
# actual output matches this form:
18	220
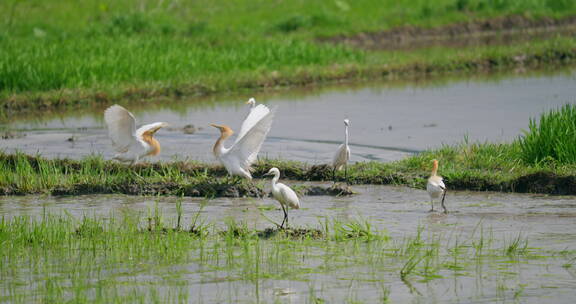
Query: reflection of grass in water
111	259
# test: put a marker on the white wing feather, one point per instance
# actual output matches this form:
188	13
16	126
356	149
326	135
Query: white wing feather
148	127
289	196
255	115
121	127
341	156
246	149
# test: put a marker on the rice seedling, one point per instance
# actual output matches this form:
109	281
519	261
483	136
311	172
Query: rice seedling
111	260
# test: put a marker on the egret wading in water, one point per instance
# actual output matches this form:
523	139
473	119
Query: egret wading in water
131	144
243	153
342	155
436	187
283	194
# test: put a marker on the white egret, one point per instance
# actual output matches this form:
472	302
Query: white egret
252	103
342	155
283	194
131	144
243	153
436	187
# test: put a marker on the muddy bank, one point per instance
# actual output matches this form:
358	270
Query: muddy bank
496	31
32	175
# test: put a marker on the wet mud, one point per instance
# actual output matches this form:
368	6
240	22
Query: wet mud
496	31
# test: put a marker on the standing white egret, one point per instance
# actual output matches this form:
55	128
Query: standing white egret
131	144
243	153
283	194
342	155
436	187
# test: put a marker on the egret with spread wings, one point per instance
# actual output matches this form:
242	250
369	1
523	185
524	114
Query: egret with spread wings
131	144
243	153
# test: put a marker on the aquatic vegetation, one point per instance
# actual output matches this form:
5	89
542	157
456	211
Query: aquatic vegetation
63	258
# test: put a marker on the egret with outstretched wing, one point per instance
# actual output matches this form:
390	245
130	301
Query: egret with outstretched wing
131	144
243	153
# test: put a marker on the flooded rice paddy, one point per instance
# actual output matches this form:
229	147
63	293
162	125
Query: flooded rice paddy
388	123
492	247
380	245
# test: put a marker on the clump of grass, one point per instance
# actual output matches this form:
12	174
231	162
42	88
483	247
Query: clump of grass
551	139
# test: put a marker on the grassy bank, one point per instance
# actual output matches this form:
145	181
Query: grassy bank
494	167
120	259
65	53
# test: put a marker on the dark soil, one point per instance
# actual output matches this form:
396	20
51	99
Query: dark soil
293	233
334	190
495	31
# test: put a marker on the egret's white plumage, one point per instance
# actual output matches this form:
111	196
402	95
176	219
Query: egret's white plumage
283	194
130	143
342	155
256	113
243	153
251	102
436	187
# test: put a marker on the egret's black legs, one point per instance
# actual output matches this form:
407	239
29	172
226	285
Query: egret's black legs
285	217
443	206
334	175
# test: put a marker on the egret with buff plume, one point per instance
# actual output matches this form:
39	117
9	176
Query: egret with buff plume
283	194
131	144
243	153
436	187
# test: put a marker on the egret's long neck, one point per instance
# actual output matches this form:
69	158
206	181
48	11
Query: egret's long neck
219	146
435	169
275	179
152	142
346	135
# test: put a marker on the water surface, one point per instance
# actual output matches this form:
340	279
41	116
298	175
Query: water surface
388	122
548	223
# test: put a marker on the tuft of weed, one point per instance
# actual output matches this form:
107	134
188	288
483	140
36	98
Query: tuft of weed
551	139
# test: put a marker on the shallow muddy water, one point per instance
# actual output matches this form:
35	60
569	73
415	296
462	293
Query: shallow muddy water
548	223
387	122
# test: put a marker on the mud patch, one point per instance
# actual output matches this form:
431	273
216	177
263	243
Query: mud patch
334	190
496	31
292	233
12	135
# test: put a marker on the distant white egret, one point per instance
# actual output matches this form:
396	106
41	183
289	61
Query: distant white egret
342	155
283	194
251	102
131	144
243	153
436	187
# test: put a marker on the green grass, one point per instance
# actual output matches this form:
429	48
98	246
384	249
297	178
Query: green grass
62	53
61	258
468	166
551	138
